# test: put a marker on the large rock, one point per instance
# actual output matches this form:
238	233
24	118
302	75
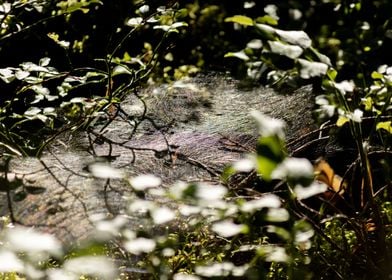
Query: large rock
187	131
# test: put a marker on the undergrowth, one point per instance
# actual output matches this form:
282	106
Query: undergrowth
328	220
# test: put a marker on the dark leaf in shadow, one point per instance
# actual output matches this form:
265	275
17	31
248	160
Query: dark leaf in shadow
35	190
20	196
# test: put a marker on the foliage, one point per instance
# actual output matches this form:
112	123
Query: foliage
212	232
49	99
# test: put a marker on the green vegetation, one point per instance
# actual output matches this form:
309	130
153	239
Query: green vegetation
65	62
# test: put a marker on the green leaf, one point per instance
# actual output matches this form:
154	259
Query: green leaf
267	31
267	20
242	20
368	102
265	166
73	6
385	126
241	55
341	121
270	152
332	73
376	75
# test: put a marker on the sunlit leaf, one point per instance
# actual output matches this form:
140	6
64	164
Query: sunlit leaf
368	102
357	115
44	61
270	152
244	165
240	55
39	89
32	111
385	126
266	30
255	44
302	192
7	75
294	170
242	20
376	75
345	86
266	201
183	276
227	228
304	231
20	74
309	69
140	245
215	270
9	262
30	241
332	73
279	231
341	121
269	126
273	253
134	22
98	266
267	19
162	215
210	192
171	28
290	51
32	67
299	38
277	215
